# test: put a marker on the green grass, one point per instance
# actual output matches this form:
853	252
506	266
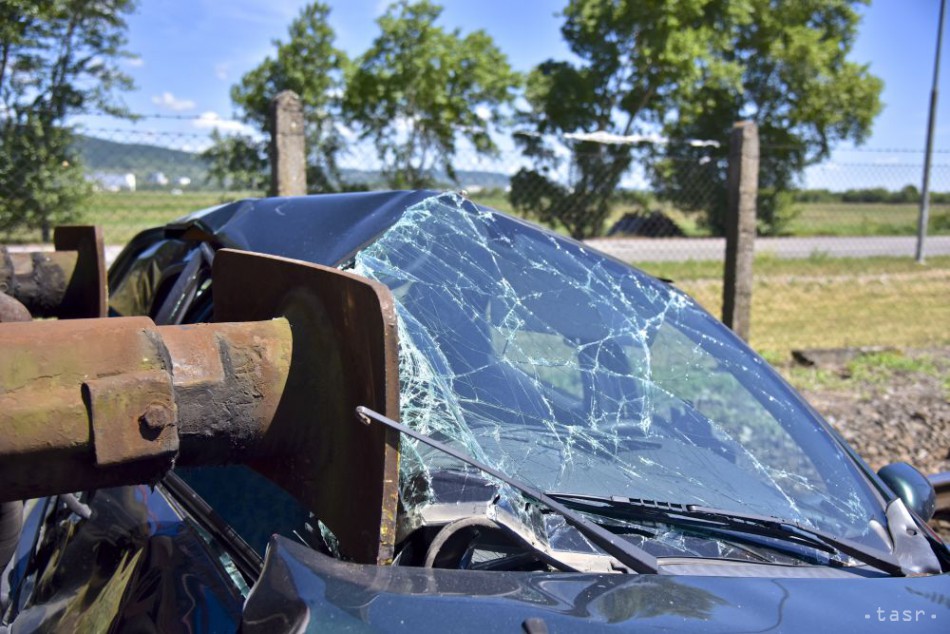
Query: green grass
123	214
874	369
877	367
816	265
803	304
865	219
813	219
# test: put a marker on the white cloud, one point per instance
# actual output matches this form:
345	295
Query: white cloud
168	100
221	70
135	62
209	120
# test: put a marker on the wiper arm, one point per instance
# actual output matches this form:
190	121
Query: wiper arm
719	519
633	558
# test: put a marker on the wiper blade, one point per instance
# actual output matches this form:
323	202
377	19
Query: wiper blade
698	516
633	558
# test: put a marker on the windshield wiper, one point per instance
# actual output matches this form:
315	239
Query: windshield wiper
697	516
629	556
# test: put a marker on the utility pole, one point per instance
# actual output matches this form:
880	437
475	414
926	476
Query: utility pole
923	218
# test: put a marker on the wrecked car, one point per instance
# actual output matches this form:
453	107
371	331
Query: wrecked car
556	440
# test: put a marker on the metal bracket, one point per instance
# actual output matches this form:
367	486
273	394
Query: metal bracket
133	416
87	293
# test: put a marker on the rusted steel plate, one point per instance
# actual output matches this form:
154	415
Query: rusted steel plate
87	294
133	416
344	355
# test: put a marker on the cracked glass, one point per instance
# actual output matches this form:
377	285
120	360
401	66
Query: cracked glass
575	373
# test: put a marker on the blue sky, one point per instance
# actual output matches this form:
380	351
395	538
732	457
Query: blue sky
192	51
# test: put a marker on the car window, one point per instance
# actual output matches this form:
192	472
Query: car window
155	266
712	390
576	373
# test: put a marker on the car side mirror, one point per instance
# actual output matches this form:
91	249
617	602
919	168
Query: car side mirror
912	487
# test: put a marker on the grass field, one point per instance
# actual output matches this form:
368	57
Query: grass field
123	214
813	219
866	219
828	303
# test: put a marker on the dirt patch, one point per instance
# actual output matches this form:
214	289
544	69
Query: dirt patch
890	414
897	410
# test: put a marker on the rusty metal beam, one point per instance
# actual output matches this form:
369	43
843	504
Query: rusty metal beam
67	283
12	310
89	403
37	279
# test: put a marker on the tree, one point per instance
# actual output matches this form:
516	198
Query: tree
688	69
236	162
309	64
58	58
420	88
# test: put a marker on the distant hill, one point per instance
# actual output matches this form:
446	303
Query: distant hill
101	156
143	160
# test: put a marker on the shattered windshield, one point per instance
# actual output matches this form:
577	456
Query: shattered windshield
577	374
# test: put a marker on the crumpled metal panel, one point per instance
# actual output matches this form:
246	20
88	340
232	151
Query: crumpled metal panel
302	590
325	229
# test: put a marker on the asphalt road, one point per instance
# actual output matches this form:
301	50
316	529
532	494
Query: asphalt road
679	249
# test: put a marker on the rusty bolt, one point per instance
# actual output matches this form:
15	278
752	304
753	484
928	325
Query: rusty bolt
157	417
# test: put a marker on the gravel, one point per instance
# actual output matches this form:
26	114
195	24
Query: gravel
892	416
903	416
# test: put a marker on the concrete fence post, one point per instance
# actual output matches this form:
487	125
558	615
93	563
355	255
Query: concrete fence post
743	186
288	154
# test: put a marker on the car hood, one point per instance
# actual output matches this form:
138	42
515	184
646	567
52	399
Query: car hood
302	590
326	229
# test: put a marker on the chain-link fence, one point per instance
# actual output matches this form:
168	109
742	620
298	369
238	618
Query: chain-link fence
834	259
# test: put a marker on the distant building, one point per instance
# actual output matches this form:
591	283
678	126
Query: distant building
157	178
112	182
184	181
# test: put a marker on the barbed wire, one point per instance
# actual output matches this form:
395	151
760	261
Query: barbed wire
834	164
669	142
133	132
159	115
860	150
